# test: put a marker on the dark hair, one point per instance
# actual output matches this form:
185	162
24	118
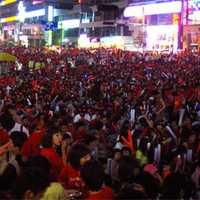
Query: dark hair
173	185
7	121
128	192
150	184
89	138
93	175
124	128
34	179
47	140
77	151
18	138
126	149
66	136
39	161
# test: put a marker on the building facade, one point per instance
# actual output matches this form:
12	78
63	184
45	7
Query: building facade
164	25
36	22
156	25
102	21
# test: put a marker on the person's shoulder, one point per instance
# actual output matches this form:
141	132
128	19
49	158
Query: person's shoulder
107	189
54	191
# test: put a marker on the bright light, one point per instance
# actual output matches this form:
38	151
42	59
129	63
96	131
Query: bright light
35	2
9	19
152	9
85	21
35	13
1	37
133	11
66	24
161	36
22	11
49	38
6	2
50	13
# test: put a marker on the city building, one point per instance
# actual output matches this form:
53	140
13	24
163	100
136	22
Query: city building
156	25
102	23
37	22
164	25
191	21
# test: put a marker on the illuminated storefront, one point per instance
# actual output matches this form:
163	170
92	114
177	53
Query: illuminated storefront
191	33
162	37
35	21
156	26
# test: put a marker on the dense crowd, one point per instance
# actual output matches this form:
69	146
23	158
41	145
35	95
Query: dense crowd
100	124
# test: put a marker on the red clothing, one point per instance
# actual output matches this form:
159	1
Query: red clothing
4	137
55	160
70	178
32	145
105	193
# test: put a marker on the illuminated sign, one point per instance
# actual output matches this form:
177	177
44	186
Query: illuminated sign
9	19
50	13
35	13
31	14
6	2
192	14
35	2
162	37
175	19
152	9
22	11
66	24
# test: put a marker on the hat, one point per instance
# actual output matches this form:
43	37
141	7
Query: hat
150	168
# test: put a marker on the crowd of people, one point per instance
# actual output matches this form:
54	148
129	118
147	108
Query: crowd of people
100	124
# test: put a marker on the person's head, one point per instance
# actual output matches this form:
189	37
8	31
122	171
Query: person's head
90	141
173	185
126	152
150	184
117	155
67	138
132	191
53	138
17	139
7	121
39	161
30	184
40	120
93	175
79	154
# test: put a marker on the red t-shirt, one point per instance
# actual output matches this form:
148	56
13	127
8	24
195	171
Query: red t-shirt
70	177
32	145
54	159
105	193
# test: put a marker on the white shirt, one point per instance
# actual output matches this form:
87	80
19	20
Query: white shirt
19	127
78	117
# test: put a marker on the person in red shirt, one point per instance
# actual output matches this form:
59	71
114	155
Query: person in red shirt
79	154
51	142
32	145
93	176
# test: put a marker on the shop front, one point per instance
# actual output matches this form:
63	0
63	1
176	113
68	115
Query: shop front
156	26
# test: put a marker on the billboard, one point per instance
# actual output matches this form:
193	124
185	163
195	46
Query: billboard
192	12
153	9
